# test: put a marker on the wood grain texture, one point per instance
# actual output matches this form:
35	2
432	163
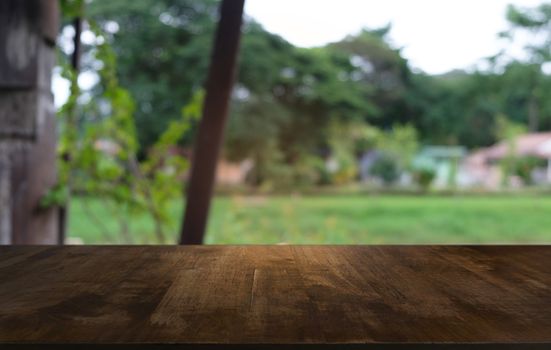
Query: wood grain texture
204	297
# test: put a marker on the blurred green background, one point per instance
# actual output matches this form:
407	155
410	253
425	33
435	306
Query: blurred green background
375	149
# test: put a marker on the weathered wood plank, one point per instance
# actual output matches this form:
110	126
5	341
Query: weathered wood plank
222	71
28	29
442	297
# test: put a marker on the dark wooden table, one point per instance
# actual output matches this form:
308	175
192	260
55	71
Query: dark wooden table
264	297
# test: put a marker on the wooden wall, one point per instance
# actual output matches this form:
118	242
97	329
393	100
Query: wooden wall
28	30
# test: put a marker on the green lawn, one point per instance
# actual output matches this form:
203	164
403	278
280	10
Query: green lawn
351	219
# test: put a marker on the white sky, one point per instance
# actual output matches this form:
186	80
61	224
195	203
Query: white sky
436	35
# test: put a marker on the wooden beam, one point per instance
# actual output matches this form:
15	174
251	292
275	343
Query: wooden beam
27	120
211	129
63	213
75	57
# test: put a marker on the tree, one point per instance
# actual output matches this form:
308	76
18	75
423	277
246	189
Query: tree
162	49
508	132
288	99
536	21
381	72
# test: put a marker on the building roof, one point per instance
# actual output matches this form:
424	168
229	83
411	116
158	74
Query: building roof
444	151
534	144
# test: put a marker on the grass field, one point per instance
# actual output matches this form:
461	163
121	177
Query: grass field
350	219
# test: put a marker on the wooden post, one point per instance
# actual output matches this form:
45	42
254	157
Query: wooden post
28	30
75	64
211	129
75	58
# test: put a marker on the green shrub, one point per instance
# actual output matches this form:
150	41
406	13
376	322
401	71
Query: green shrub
424	177
386	168
523	167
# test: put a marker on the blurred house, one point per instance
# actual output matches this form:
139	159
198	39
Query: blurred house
445	161
365	164
483	169
232	173
477	170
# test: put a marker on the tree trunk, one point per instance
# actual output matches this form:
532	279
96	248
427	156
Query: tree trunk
533	114
211	129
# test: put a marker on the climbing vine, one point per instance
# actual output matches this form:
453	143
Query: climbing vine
98	147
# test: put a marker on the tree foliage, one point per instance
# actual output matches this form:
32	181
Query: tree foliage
162	49
291	104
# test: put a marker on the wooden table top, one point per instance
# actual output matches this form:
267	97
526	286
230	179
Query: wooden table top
276	296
